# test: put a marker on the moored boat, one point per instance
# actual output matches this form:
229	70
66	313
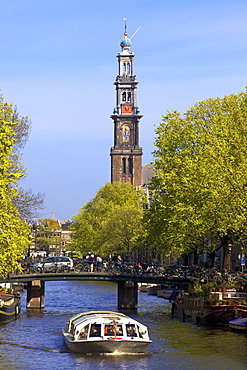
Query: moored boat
152	289
218	310
165	293
10	307
105	332
239	324
142	287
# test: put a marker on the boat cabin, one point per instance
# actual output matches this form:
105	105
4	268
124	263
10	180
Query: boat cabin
89	326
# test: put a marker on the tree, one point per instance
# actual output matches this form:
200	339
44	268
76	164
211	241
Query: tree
14	233
111	221
199	187
27	202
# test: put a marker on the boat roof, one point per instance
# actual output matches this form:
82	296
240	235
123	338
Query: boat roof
100	317
239	321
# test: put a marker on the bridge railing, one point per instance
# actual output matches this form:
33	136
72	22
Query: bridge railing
108	267
147	269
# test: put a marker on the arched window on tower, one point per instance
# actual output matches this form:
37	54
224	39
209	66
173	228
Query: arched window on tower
128	68
124	165
124	96
124	68
129	97
130	160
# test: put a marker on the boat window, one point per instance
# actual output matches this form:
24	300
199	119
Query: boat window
72	329
95	330
84	332
141	332
112	330
131	330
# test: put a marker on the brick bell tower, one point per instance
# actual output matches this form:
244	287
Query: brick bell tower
126	154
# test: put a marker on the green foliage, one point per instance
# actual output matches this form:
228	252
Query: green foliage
199	190
14	232
17	130
111	221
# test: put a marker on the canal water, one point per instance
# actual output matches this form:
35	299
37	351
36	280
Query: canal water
35	341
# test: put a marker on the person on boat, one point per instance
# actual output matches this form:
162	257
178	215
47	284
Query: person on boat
84	332
119	330
95	330
131	332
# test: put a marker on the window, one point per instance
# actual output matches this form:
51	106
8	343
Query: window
131	330
126	133
130	160
95	330
141	332
124	165
49	260
113	330
84	332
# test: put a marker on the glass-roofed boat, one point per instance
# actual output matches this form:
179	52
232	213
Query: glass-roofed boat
105	332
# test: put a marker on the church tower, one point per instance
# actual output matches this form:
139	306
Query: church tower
126	154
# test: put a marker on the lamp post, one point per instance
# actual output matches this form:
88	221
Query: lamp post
242	260
229	256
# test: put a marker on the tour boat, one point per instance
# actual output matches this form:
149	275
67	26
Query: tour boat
105	332
10	307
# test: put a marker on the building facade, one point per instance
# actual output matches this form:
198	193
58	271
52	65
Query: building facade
126	154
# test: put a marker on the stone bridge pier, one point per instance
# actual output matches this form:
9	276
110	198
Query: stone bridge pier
127	295
36	294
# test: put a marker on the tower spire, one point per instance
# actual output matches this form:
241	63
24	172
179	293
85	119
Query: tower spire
125	43
125	27
126	154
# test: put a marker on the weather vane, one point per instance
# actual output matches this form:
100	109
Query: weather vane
125	28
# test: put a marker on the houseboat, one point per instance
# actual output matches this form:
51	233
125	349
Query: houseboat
218	308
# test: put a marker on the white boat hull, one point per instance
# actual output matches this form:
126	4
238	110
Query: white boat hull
105	345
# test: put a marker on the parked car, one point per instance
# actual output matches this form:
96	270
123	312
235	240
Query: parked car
54	264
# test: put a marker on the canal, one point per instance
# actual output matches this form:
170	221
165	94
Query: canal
35	341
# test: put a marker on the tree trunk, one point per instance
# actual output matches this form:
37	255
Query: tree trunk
227	257
227	250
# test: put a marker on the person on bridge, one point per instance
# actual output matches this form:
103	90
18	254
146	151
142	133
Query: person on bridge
91	260
99	263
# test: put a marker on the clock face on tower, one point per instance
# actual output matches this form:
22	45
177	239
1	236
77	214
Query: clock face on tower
126	109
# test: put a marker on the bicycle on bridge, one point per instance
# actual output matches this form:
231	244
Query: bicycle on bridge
53	268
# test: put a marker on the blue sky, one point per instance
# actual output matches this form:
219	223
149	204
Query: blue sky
58	65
